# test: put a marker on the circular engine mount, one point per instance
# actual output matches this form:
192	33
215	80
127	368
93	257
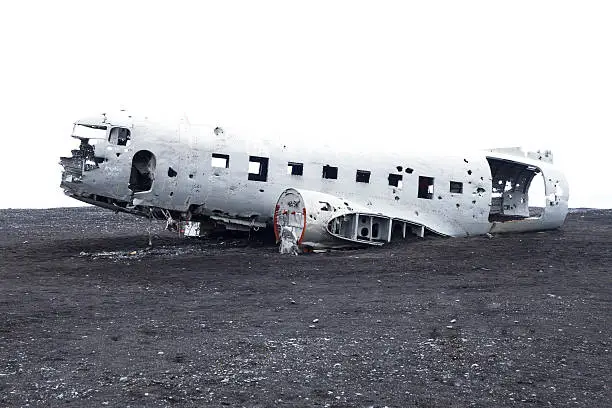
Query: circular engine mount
290	213
307	215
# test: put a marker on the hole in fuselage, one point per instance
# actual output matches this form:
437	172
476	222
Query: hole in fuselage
517	191
143	171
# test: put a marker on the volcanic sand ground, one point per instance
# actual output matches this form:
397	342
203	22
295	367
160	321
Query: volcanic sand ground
91	317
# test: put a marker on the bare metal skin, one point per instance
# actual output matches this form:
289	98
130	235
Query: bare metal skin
328	198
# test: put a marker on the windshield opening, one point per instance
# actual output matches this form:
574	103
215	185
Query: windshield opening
89	131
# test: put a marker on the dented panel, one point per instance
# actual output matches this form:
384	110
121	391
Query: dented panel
210	175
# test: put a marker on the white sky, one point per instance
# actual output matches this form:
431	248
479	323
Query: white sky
407	74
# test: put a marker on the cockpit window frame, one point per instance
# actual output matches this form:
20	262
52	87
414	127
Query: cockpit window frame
122	139
85	131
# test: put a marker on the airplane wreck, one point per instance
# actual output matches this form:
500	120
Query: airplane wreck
205	178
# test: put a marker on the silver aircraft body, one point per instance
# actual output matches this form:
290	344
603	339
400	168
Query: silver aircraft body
322	197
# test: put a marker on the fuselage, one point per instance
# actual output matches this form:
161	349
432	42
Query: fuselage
202	172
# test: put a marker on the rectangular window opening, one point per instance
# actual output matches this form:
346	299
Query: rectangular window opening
395	180
330	172
362	176
258	168
456	187
220	160
295	169
426	187
119	136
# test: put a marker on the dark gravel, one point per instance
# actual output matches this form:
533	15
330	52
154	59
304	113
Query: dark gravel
91	317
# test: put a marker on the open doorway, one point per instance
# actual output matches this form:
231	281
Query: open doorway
537	195
143	172
517	191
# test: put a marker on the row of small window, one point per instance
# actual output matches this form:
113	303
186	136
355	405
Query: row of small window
258	171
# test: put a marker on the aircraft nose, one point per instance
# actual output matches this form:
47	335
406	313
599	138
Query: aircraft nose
81	160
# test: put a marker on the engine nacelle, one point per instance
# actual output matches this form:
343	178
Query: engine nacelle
319	220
